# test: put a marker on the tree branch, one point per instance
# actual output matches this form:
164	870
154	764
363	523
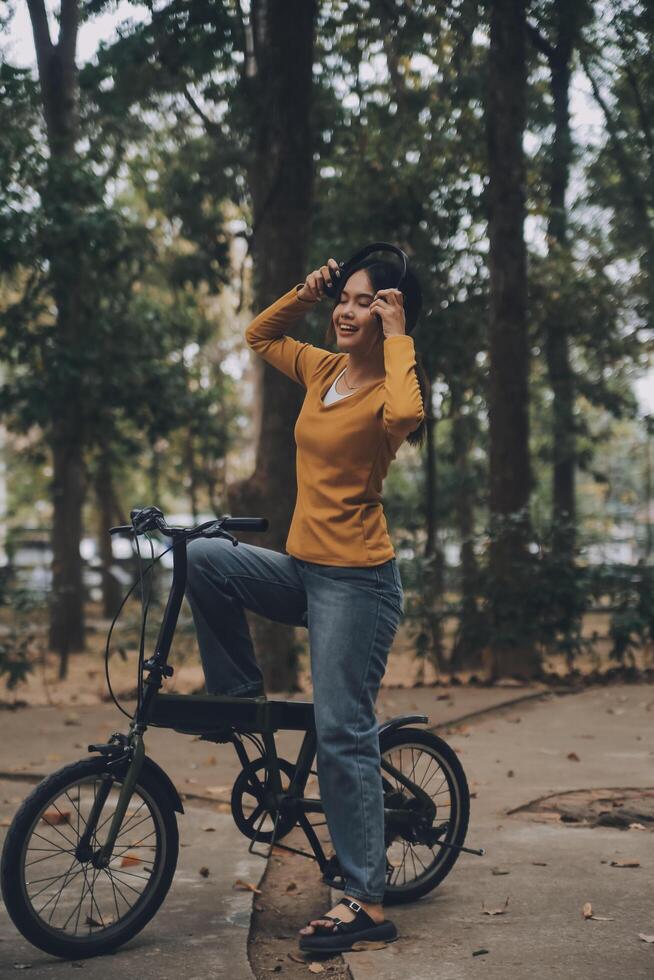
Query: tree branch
540	42
40	30
212	127
631	179
626	48
69	24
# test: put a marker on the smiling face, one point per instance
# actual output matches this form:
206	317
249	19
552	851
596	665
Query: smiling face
352	309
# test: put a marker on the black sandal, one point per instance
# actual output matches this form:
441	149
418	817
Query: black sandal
340	937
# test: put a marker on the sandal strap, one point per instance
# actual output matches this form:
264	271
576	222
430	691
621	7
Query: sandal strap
360	921
319	928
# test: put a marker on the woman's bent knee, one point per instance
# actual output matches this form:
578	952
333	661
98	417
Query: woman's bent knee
201	560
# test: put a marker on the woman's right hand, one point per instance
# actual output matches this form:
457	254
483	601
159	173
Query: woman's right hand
314	285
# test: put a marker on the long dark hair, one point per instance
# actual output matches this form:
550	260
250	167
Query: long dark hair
384	275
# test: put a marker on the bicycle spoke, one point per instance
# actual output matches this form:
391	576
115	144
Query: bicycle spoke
32	897
48	857
59	894
117	887
116	871
68	841
411	860
75	898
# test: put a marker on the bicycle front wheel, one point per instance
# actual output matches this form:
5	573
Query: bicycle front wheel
55	895
416	856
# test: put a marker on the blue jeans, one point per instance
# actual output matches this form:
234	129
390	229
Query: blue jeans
352	615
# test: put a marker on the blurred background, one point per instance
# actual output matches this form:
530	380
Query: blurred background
168	169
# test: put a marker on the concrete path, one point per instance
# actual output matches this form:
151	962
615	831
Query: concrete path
202	928
199	933
203	924
553	868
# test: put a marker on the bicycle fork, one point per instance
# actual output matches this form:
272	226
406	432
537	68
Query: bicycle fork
136	751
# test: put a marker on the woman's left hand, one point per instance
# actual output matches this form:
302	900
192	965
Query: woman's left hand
388	305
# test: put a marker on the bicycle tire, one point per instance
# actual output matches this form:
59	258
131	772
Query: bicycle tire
12	866
458	787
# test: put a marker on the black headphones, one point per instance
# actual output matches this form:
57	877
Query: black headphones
344	268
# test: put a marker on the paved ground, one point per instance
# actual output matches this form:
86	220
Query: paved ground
511	760
202	927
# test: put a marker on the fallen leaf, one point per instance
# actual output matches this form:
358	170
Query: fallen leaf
479	952
540	864
646	939
207	830
204	871
54	817
129	860
500	871
296	958
223	808
210	760
246	886
317	967
499	911
510	772
91	922
368	944
5	822
637	826
573	757
72	720
588	913
625	864
291	886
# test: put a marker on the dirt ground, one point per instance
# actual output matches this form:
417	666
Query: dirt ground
86	682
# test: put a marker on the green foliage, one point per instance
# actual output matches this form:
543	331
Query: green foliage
17	639
630	594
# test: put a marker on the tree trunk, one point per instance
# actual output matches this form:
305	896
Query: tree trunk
67	601
567	20
512	650
434	584
107	517
557	352
281	182
467	649
60	97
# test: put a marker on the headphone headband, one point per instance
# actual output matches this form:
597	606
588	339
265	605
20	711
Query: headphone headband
345	268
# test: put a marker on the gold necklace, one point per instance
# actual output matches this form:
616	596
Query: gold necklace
346	382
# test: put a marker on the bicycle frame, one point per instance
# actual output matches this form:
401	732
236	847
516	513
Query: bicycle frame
196	714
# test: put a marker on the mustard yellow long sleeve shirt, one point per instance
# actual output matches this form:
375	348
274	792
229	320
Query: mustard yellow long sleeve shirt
343	449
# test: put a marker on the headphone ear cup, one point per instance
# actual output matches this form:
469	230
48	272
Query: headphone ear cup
337	279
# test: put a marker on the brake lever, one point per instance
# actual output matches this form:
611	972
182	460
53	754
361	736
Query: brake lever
219	532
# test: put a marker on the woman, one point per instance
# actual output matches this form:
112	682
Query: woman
339	577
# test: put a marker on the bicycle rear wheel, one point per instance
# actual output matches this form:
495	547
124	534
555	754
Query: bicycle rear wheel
54	894
416	862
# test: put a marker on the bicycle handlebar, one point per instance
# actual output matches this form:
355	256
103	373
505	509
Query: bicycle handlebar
152	519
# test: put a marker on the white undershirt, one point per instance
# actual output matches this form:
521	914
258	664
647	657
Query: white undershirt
333	395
